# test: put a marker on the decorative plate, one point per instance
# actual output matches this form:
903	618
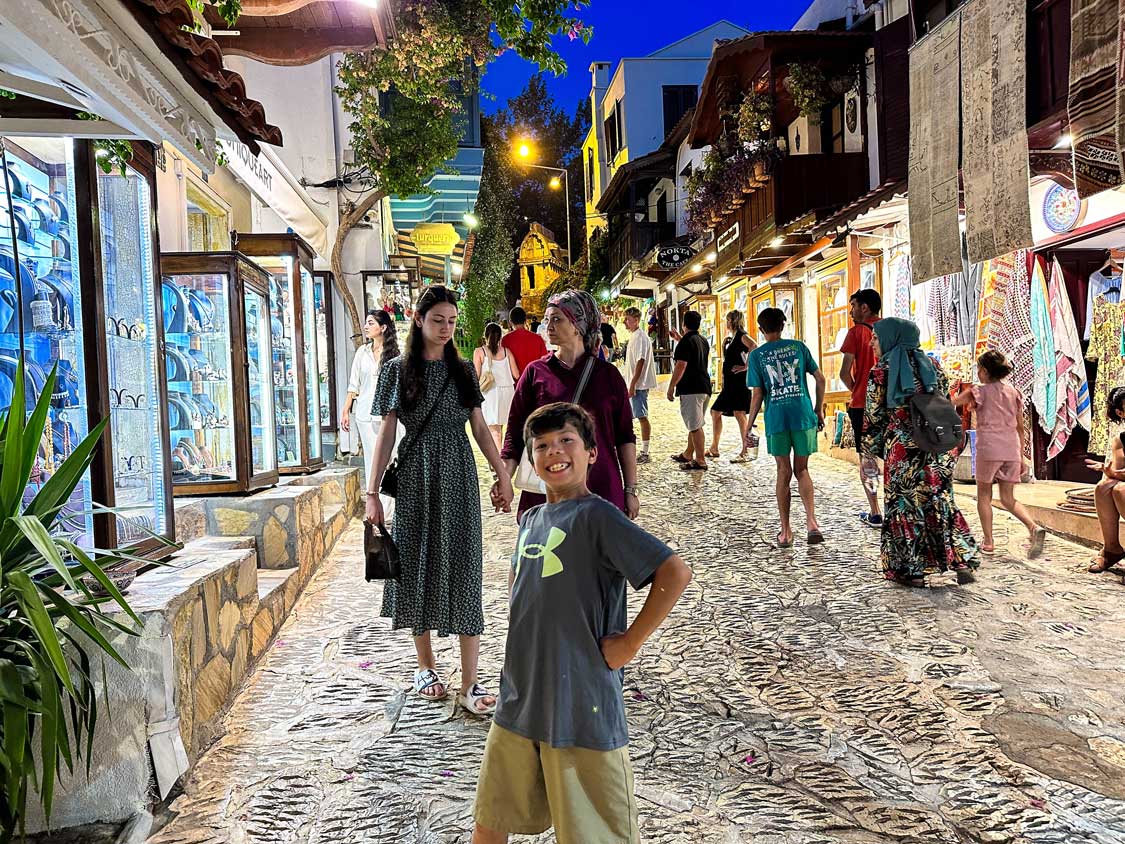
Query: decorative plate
1062	209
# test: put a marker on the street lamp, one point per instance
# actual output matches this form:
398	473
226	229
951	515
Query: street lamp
470	219
524	152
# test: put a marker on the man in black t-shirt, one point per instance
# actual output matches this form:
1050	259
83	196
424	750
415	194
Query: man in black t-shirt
692	383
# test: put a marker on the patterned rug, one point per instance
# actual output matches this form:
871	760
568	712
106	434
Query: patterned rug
935	67
1092	104
994	149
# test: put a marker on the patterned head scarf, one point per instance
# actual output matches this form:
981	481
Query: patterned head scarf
898	346
582	311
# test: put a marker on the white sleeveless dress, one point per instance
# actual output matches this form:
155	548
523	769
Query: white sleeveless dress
498	399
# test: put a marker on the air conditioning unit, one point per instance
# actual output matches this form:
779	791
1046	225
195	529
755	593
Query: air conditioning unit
804	137
853	122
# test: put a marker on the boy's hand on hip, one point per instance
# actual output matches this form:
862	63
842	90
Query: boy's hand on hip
617	651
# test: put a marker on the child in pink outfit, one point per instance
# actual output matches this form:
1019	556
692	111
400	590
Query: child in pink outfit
1000	436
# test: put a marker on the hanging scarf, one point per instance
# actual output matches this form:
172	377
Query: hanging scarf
582	311
1045	376
1073	398
898	346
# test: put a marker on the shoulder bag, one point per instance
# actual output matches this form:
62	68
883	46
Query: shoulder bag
487	379
381	560
389	487
935	422
526	478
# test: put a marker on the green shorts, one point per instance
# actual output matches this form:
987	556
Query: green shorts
800	443
526	787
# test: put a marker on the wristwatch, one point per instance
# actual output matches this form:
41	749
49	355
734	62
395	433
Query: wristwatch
630	489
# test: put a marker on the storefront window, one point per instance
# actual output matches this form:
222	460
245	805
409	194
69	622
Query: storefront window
263	447
208	221
312	367
136	420
41	308
284	359
832	284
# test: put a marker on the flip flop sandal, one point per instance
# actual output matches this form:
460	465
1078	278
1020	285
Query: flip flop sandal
781	544
1105	561
475	695
740	460
693	467
1035	550
679	458
427	678
815	537
712	454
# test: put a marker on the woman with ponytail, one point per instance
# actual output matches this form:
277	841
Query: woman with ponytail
437	524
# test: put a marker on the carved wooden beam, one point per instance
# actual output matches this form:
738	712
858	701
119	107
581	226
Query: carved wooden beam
272	8
295	47
1055	163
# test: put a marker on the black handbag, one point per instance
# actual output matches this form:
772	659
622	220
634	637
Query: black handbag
389	486
380	553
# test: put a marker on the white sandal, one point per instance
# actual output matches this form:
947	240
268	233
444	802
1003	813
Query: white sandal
474	696
427	678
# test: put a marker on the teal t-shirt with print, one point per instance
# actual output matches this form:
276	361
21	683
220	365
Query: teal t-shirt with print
571	566
781	368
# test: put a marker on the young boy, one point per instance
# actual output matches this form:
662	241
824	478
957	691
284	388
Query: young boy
557	753
777	371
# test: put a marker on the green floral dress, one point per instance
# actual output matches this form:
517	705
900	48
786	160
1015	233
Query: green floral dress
437	522
923	530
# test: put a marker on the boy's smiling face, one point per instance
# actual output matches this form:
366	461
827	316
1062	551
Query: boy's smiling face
562	459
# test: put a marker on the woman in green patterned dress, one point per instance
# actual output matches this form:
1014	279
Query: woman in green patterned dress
923	531
437	523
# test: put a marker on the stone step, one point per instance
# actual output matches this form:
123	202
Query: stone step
271	580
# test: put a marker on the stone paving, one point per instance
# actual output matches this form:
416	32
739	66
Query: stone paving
793	696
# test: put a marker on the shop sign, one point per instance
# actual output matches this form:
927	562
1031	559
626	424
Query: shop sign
672	257
435	238
728	238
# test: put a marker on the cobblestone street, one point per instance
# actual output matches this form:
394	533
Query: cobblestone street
793	696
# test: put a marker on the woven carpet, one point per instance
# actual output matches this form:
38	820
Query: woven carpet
1092	104
994	139
935	67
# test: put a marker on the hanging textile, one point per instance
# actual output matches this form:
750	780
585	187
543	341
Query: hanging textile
935	141
1092	100
920	313
1073	397
984	309
1044	382
942	311
965	289
1103	286
1105	348
959	363
900	278
1010	320
994	148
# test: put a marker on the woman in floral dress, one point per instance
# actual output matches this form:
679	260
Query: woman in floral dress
923	531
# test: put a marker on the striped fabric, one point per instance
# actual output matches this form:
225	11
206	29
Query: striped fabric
1092	101
1073	398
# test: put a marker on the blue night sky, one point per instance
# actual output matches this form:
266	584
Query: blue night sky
627	29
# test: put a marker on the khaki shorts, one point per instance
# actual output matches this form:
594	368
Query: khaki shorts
999	471
693	408
526	787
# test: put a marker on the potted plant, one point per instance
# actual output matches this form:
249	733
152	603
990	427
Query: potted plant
51	619
755	117
808	86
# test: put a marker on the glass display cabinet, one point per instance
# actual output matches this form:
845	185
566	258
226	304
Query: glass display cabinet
78	292
296	366
323	282
218	367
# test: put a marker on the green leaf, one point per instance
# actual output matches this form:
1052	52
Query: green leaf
28	597
11	489
37	535
83	623
99	574
33	429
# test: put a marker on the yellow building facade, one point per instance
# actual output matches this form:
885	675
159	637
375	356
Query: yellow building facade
541	261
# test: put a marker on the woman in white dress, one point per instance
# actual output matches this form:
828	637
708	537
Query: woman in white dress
381	346
497	374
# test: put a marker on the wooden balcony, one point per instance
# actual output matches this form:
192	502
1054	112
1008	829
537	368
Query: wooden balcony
634	240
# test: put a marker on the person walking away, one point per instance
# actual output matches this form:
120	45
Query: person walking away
1000	438
1109	494
497	375
573	322
608	349
523	344
557	753
778	372
640	369
437	525
734	398
923	530
692	384
381	346
864	306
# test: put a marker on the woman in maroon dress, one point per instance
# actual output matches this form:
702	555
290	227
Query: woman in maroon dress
574	328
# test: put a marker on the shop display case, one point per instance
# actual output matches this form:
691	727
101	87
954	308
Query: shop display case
782	294
323	282
218	366
394	289
296	367
78	293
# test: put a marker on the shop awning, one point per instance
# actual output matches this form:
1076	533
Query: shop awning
868	202
454	192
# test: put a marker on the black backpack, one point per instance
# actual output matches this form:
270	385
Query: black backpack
935	421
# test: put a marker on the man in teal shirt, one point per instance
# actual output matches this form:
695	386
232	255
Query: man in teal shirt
778	373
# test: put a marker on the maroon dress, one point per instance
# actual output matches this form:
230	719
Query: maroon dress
606	398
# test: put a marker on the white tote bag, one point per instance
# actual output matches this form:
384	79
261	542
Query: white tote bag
526	478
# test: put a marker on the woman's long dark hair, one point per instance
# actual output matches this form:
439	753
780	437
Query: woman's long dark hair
492	337
390	336
413	386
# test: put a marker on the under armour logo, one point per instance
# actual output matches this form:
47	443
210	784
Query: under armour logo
551	563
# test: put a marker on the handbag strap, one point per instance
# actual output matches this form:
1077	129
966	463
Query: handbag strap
402	452
583	381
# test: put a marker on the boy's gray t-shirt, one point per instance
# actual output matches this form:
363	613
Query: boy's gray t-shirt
571	565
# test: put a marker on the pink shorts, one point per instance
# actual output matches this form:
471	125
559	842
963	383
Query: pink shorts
999	471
